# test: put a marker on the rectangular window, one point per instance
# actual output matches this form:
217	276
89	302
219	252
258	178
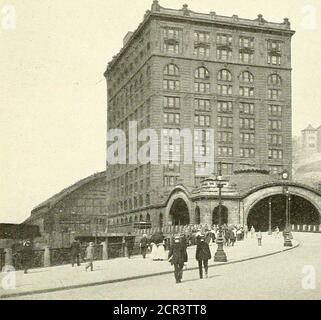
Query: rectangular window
275	140
246	57
274	94
274	60
225	151
224	90
247	152
275	110
223	136
224	54
171	118
224	39
202	87
169	181
274	52
275	154
247	138
171	102
225	122
246	91
275	125
171	33
225	106
246	42
246	123
246	108
172	85
202	51
201	36
202	120
202	104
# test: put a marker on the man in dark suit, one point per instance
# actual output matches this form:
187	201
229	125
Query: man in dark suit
130	242
177	256
144	245
27	255
203	254
75	252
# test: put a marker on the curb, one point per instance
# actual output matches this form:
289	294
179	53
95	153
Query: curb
98	283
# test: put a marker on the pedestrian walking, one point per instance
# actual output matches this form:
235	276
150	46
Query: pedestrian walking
252	232
130	246
161	254
27	255
75	253
177	256
143	245
259	238
232	237
90	252
246	230
277	231
203	254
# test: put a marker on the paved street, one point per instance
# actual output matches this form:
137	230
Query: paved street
274	277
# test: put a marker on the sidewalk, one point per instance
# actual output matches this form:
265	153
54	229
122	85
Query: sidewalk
123	269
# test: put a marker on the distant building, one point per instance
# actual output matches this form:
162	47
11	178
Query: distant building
309	140
78	211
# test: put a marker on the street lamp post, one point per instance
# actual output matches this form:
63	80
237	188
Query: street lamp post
220	255
270	216
287	240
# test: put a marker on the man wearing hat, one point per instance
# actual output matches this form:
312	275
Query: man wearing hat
26	255
177	256
144	245
203	254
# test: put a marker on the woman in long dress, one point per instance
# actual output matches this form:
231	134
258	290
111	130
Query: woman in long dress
161	254
154	252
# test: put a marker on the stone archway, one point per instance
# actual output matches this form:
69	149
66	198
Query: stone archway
179	213
178	208
301	212
224	215
254	198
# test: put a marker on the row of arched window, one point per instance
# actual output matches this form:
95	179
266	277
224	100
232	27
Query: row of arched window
223	75
130	219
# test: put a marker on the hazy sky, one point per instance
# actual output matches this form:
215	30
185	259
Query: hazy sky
53	95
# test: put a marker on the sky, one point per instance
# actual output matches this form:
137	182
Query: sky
53	95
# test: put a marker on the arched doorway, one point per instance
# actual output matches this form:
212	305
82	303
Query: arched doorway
179	212
197	215
224	215
301	212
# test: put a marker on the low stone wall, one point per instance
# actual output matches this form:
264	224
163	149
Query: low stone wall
306	228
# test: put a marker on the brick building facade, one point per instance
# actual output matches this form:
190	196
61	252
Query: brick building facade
182	69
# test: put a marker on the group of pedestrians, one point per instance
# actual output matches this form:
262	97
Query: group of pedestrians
178	256
75	252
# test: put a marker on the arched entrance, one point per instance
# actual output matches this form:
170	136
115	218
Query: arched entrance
301	212
224	215
179	212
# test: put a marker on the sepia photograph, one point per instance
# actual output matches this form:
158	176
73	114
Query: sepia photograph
160	151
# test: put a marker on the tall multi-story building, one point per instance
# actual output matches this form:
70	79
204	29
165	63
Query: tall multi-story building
182	69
